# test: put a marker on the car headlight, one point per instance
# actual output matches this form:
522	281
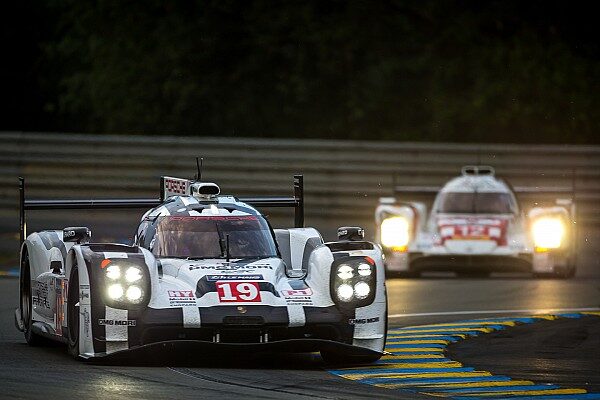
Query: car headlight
134	294
364	269
345	271
115	291
395	233
126	283
345	292
113	272
133	274
353	281
548	233
362	290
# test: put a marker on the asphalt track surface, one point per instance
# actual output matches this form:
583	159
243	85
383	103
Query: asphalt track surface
559	355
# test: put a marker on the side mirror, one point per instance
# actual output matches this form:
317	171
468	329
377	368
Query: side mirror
351	233
78	234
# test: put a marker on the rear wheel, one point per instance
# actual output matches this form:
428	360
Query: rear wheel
32	338
73	313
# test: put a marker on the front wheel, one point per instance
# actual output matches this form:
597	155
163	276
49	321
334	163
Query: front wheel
73	313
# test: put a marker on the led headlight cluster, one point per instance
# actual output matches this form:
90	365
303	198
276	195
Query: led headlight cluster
548	233
353	281
395	233
125	283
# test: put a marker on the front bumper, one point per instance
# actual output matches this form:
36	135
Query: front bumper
189	349
256	324
461	262
228	325
418	261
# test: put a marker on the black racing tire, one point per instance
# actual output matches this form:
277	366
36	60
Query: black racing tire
73	314
32	338
332	358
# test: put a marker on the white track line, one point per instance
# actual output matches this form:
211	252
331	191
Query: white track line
530	311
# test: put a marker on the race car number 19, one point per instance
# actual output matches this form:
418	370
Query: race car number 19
238	291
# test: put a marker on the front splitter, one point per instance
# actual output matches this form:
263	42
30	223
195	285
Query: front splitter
186	348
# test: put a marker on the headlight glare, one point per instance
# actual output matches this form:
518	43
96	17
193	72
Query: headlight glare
113	272
133	274
134	294
364	269
362	290
395	232
345	272
126	283
548	233
345	292
115	291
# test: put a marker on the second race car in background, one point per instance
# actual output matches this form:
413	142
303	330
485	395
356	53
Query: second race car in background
476	226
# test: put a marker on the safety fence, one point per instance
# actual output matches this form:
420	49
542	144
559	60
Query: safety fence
343	179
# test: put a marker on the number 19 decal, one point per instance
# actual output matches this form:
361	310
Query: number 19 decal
238	291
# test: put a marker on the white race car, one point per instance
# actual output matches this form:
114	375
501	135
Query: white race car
205	272
475	226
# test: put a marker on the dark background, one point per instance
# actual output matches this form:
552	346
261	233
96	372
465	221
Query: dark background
464	71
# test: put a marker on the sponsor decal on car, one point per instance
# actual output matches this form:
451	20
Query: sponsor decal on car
229	267
113	322
40	295
84	294
181	293
252	277
181	298
176	186
298	297
473	229
86	322
361	321
297	292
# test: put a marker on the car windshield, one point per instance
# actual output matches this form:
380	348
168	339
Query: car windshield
209	236
475	203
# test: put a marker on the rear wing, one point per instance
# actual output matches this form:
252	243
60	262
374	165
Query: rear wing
487	170
539	190
168	187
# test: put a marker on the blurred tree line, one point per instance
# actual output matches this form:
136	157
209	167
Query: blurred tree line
451	70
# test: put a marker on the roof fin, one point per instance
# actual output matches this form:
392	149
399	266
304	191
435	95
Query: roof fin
470	170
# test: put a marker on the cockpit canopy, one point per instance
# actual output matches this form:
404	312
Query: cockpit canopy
246	236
